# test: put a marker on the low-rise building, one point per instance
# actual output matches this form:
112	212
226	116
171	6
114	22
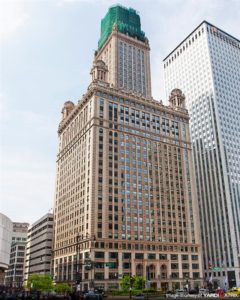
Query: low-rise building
14	274
39	247
5	244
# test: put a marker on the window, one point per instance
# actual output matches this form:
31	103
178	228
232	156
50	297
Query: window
99	254
195	275
113	255
139	255
126	255
195	266
194	257
174	266
163	256
175	275
99	265
126	265
99	276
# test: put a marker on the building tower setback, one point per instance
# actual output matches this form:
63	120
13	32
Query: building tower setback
125	50
125	196
205	66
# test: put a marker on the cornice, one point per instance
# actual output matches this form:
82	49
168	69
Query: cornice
99	86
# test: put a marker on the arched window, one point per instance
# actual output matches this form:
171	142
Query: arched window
163	271
139	270
151	272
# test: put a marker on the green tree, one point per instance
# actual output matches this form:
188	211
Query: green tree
39	282
62	288
125	283
136	282
139	283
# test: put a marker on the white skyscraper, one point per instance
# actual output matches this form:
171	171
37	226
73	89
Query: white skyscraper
206	67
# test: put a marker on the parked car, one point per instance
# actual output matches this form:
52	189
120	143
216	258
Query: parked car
101	292
193	292
181	292
170	294
92	296
203	291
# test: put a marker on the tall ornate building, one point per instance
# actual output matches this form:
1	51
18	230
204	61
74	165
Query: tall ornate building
125	195
206	67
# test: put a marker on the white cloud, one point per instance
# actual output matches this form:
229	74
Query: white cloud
13	17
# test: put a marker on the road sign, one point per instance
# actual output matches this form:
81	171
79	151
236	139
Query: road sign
216	269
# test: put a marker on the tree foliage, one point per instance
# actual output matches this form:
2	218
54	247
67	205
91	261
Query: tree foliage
40	282
136	282
125	282
62	288
139	282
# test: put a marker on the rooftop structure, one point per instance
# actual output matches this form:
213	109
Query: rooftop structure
125	19
124	49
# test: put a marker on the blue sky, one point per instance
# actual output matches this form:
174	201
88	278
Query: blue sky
47	50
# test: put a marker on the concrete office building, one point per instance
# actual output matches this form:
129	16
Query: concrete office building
15	272
5	244
206	67
125	195
39	247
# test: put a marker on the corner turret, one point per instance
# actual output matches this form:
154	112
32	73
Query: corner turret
177	99
67	108
99	71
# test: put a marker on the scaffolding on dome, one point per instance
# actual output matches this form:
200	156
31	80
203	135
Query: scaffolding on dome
127	21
